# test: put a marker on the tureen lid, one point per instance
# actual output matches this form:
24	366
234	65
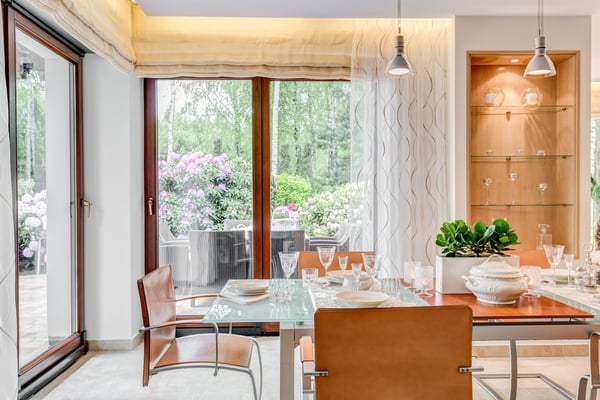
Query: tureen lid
496	267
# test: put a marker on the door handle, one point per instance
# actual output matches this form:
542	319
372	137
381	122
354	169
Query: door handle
150	205
88	204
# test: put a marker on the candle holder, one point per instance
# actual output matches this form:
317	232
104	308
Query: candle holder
424	280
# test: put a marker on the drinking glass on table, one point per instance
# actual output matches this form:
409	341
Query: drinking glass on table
326	257
356	271
533	278
554	254
343	263
569	258
309	276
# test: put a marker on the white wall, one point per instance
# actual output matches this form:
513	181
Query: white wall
113	171
518	33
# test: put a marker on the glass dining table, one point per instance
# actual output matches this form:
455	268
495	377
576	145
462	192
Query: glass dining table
550	317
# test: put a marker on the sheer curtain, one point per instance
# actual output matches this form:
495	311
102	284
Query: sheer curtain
8	307
399	140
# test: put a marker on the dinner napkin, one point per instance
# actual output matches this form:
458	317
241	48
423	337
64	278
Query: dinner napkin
238	299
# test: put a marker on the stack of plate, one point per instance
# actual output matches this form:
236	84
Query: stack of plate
338	276
559	276
361	299
249	287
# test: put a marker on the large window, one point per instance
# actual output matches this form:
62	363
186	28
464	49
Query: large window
243	169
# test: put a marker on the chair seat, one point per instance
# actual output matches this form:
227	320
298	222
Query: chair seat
234	350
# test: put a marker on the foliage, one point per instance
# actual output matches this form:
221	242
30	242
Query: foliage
291	189
198	191
594	189
322	214
458	240
31	224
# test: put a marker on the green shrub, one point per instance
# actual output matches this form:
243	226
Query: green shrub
291	189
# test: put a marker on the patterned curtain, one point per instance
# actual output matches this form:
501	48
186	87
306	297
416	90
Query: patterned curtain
8	308
399	140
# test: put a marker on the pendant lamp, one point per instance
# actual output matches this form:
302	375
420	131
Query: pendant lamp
400	64
540	65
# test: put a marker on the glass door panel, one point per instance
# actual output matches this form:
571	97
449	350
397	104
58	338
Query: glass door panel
204	180
45	187
310	166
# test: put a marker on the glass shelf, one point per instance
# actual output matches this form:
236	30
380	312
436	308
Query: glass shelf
554	108
523	205
509	157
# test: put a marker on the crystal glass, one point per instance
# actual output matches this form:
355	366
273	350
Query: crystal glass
356	271
542	187
569	258
554	254
309	276
326	258
289	260
533	278
343	260
372	264
424	280
409	273
513	176
487	182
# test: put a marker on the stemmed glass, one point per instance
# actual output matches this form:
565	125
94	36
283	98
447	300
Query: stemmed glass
343	263
326	258
513	176
356	271
289	260
569	258
554	253
487	182
371	264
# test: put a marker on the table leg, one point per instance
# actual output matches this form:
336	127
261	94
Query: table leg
286	361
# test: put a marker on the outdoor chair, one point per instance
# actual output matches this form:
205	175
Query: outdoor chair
176	252
389	353
340	240
164	351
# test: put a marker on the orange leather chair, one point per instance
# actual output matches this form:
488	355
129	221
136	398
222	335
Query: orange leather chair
164	351
389	353
310	259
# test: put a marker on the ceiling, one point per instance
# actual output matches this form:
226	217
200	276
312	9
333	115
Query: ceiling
365	9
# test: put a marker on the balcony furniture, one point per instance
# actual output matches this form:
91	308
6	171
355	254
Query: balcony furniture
395	353
340	240
550	317
175	252
164	351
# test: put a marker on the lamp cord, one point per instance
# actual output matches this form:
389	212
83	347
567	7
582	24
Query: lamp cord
399	16
540	17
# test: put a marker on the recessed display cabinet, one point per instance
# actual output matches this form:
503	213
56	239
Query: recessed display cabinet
523	140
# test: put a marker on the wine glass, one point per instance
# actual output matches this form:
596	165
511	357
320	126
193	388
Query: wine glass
289	260
569	258
343	263
356	271
326	258
371	263
554	253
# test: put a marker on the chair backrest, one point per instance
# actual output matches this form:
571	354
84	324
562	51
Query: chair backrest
393	353
310	259
236	224
164	232
157	299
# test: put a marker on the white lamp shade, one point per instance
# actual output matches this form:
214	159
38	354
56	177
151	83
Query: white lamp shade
540	65
400	64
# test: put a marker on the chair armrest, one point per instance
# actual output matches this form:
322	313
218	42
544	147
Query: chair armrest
174	323
306	349
197	296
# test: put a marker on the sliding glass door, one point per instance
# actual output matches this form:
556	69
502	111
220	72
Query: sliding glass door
45	134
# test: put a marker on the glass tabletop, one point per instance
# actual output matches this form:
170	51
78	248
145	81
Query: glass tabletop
300	308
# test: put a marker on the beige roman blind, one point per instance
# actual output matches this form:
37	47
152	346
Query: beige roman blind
242	47
103	26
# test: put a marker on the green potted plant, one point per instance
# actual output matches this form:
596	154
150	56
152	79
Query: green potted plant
463	247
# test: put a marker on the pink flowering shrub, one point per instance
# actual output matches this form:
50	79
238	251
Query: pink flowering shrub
31	225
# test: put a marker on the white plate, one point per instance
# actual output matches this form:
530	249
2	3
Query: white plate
362	298
557	276
249	286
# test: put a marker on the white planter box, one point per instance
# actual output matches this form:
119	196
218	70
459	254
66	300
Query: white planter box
448	271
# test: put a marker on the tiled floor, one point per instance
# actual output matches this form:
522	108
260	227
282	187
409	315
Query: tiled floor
117	376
